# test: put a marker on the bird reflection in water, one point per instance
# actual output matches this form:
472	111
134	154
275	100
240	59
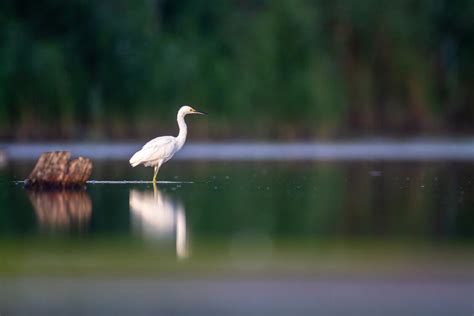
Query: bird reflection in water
156	216
61	210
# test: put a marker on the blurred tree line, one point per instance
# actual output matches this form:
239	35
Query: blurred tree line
264	69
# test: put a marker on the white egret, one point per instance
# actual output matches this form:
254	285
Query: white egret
161	149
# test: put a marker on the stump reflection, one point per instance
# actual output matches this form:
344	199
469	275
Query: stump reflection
61	210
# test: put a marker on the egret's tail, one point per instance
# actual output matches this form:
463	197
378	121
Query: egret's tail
136	159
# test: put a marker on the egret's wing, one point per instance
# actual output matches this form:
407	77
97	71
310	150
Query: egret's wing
159	141
160	148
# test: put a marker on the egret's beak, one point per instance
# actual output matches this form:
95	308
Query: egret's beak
199	112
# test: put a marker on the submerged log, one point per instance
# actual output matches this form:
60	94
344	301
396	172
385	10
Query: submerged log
54	169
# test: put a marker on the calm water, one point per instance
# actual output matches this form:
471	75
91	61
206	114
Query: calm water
403	231
423	202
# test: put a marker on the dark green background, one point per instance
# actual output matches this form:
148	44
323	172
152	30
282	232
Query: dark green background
281	69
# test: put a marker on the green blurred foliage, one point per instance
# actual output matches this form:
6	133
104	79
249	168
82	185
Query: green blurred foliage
264	69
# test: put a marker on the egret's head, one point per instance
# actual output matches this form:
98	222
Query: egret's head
186	109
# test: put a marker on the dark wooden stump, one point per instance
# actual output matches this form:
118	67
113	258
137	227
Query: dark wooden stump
54	170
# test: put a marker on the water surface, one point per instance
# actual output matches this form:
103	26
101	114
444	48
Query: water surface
336	226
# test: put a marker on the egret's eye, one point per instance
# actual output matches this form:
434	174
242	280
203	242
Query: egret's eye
192	110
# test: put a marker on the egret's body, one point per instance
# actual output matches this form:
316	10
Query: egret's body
161	149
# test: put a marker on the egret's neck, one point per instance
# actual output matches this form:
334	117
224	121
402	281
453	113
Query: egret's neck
183	131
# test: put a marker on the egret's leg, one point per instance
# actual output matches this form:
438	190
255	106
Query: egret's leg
155	173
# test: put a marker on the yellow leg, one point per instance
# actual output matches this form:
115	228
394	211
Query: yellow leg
155	173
